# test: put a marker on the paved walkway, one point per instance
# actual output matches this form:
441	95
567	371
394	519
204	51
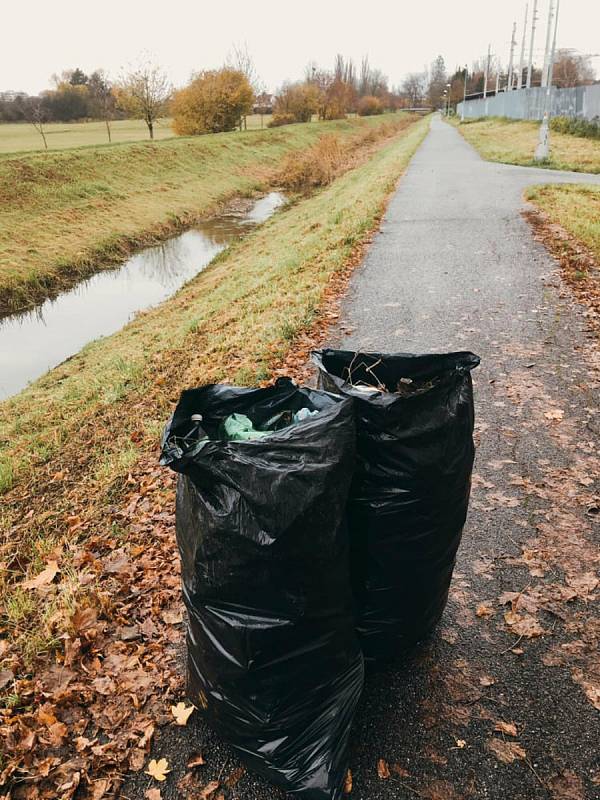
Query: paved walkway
499	703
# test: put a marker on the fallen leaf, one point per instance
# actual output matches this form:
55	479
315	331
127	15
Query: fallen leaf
383	770
486	680
44	578
400	771
566	786
523	625
460	743
348	782
182	713
509	728
153	794
6	677
235	777
196	760
208	790
507	752
158	769
484	611
172	617
554	414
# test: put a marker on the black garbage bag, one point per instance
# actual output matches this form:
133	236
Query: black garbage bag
273	659
408	501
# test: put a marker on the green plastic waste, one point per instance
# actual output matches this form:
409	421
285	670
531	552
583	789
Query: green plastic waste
240	428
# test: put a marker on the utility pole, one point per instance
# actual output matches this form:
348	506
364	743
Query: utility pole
542	151
497	78
513	42
486	72
548	40
531	41
462	111
522	58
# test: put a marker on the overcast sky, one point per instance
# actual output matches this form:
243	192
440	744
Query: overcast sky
399	36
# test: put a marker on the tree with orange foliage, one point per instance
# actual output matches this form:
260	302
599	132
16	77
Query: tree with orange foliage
214	101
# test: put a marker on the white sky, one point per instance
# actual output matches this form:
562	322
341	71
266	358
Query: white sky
399	36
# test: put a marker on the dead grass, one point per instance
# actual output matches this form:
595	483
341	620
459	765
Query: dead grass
567	220
75	443
514	142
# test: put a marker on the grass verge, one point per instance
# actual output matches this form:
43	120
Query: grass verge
514	142
67	214
69	442
567	220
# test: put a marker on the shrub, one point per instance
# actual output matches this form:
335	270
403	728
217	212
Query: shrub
316	166
369	105
214	101
300	100
588	129
281	119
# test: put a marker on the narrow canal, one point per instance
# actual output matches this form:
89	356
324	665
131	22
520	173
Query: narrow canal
38	340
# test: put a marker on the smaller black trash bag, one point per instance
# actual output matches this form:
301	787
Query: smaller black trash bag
273	659
409	498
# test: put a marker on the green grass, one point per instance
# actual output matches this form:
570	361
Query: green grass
95	418
576	208
22	136
66	214
514	142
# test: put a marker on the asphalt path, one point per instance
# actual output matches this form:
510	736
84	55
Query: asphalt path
455	267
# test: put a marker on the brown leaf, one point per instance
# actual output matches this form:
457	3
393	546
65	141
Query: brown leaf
235	777
208	790
173	617
439	790
153	794
195	760
484	611
348	782
509	728
44	578
486	680
554	414
523	625
6	677
400	771
566	786
383	770
507	752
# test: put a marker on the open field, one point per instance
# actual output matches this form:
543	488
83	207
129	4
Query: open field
66	214
69	442
514	142
21	136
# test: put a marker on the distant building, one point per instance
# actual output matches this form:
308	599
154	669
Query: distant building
10	96
263	103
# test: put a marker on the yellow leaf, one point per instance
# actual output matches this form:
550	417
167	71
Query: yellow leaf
158	769
348	783
182	713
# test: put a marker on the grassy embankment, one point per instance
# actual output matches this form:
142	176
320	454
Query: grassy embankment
22	136
69	442
65	215
514	142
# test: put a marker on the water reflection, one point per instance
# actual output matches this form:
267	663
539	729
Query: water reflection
33	342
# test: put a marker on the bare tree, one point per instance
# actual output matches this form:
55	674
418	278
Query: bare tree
145	92
36	113
414	86
102	97
241	60
572	69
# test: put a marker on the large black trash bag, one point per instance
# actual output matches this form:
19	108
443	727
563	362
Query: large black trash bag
273	659
409	498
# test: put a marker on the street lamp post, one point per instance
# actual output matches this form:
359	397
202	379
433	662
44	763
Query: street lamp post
448	102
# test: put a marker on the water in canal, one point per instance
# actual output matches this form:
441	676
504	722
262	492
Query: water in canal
33	342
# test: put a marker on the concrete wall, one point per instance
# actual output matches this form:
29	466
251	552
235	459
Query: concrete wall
583	101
